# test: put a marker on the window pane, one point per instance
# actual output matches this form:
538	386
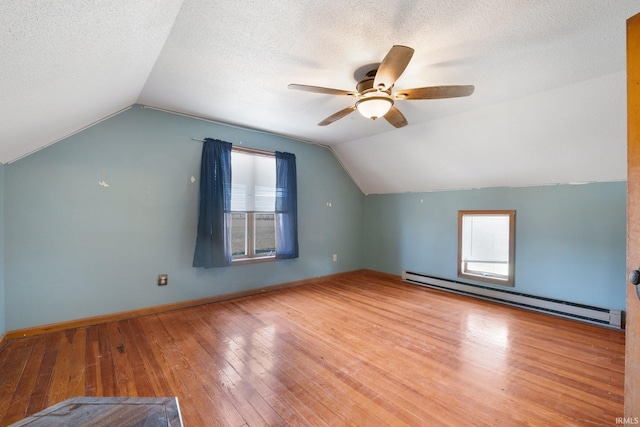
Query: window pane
253	185
253	182
486	238
265	234
238	234
488	267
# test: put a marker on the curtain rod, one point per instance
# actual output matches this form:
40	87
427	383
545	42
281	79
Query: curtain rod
245	149
328	147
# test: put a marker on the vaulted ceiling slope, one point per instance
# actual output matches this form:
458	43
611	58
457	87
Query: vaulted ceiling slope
549	76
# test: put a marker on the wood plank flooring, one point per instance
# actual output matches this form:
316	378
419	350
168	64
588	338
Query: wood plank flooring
358	350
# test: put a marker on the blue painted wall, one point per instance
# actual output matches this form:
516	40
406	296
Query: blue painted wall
76	249
570	239
72	248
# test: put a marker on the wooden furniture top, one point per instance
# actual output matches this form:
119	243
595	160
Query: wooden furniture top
108	411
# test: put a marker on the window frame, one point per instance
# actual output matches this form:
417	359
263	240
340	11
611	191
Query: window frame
251	256
509	280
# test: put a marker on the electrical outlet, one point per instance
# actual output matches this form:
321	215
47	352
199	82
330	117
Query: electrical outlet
163	279
335	257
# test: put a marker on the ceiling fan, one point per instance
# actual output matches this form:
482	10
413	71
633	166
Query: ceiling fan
376	95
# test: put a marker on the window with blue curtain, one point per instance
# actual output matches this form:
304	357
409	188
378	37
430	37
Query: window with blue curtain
214	237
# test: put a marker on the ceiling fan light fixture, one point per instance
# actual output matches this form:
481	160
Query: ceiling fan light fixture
373	107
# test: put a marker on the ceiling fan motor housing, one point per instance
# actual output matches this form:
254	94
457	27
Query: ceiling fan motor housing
366	85
372	103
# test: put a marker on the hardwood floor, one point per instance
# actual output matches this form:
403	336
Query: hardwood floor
359	350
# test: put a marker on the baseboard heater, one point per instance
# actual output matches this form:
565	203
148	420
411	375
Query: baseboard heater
585	313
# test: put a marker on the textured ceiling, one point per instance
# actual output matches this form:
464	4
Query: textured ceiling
549	105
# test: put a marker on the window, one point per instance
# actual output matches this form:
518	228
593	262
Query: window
253	199
263	212
486	246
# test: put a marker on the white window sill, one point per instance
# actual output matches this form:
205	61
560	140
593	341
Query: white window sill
254	260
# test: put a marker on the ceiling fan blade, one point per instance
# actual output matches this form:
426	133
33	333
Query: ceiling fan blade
318	89
434	92
392	66
337	116
395	117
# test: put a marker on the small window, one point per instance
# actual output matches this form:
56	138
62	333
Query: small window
253	195
486	246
